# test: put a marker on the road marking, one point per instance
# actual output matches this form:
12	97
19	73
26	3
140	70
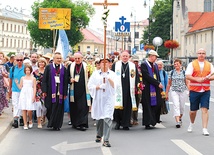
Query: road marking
186	147
64	147
159	125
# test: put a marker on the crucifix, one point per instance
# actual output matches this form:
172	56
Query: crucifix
105	5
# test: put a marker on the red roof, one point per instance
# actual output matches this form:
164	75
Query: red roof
89	36
201	21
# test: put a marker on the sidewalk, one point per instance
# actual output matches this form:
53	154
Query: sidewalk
5	122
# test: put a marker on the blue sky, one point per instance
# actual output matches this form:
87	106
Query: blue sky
124	8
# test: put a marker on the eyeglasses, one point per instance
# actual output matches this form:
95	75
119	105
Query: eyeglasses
19	60
201	53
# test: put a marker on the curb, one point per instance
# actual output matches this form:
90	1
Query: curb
5	122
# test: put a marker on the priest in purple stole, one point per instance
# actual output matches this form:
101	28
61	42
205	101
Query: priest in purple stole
151	95
54	88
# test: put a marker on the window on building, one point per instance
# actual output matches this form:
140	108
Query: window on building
18	43
14	45
137	35
18	28
205	38
2	42
14	28
7	43
22	29
3	26
207	5
22	46
7	27
11	27
26	44
11	42
88	49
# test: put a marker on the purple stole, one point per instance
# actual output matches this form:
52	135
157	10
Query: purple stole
152	87
53	84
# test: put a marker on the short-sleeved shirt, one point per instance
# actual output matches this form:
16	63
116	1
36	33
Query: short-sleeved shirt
18	73
178	81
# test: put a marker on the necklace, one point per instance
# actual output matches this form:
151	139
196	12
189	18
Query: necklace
124	71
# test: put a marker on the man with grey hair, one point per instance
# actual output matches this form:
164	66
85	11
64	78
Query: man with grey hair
200	73
151	95
16	73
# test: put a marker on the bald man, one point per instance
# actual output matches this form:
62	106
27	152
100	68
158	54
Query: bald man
80	99
127	78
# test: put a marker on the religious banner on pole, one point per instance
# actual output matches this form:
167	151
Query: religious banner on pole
54	18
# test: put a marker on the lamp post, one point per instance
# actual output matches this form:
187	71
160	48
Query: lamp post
145	5
134	26
178	7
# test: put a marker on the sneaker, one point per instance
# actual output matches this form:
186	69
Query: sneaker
69	123
106	144
178	125
190	128
205	132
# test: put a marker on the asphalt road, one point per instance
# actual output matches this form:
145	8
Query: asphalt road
165	139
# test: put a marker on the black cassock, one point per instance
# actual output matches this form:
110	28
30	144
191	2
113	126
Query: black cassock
123	117
151	114
79	108
55	111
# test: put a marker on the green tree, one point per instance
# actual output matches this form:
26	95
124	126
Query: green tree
162	13
81	12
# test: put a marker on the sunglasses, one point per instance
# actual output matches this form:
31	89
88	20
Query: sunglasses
19	60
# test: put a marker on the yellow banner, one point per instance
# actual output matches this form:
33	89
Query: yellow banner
54	18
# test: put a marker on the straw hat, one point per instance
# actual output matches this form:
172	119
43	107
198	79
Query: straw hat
47	55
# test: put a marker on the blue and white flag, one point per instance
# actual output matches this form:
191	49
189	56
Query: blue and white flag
63	44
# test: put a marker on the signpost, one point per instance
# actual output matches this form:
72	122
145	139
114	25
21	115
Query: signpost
122	28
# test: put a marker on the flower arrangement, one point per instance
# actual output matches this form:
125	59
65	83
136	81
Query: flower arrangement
171	44
149	47
116	53
105	16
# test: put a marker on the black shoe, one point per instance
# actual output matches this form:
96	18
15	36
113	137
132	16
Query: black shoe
178	125
148	127
125	128
56	129
117	127
21	122
15	124
82	128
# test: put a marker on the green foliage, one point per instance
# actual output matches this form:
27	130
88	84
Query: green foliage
162	13
81	12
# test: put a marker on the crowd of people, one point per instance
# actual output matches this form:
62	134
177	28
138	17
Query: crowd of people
46	86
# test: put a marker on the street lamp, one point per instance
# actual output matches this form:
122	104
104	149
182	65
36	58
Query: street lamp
134	27
178	7
145	5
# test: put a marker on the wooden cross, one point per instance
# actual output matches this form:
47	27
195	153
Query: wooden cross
105	5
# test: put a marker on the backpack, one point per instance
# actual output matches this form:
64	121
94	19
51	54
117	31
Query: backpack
13	71
173	72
